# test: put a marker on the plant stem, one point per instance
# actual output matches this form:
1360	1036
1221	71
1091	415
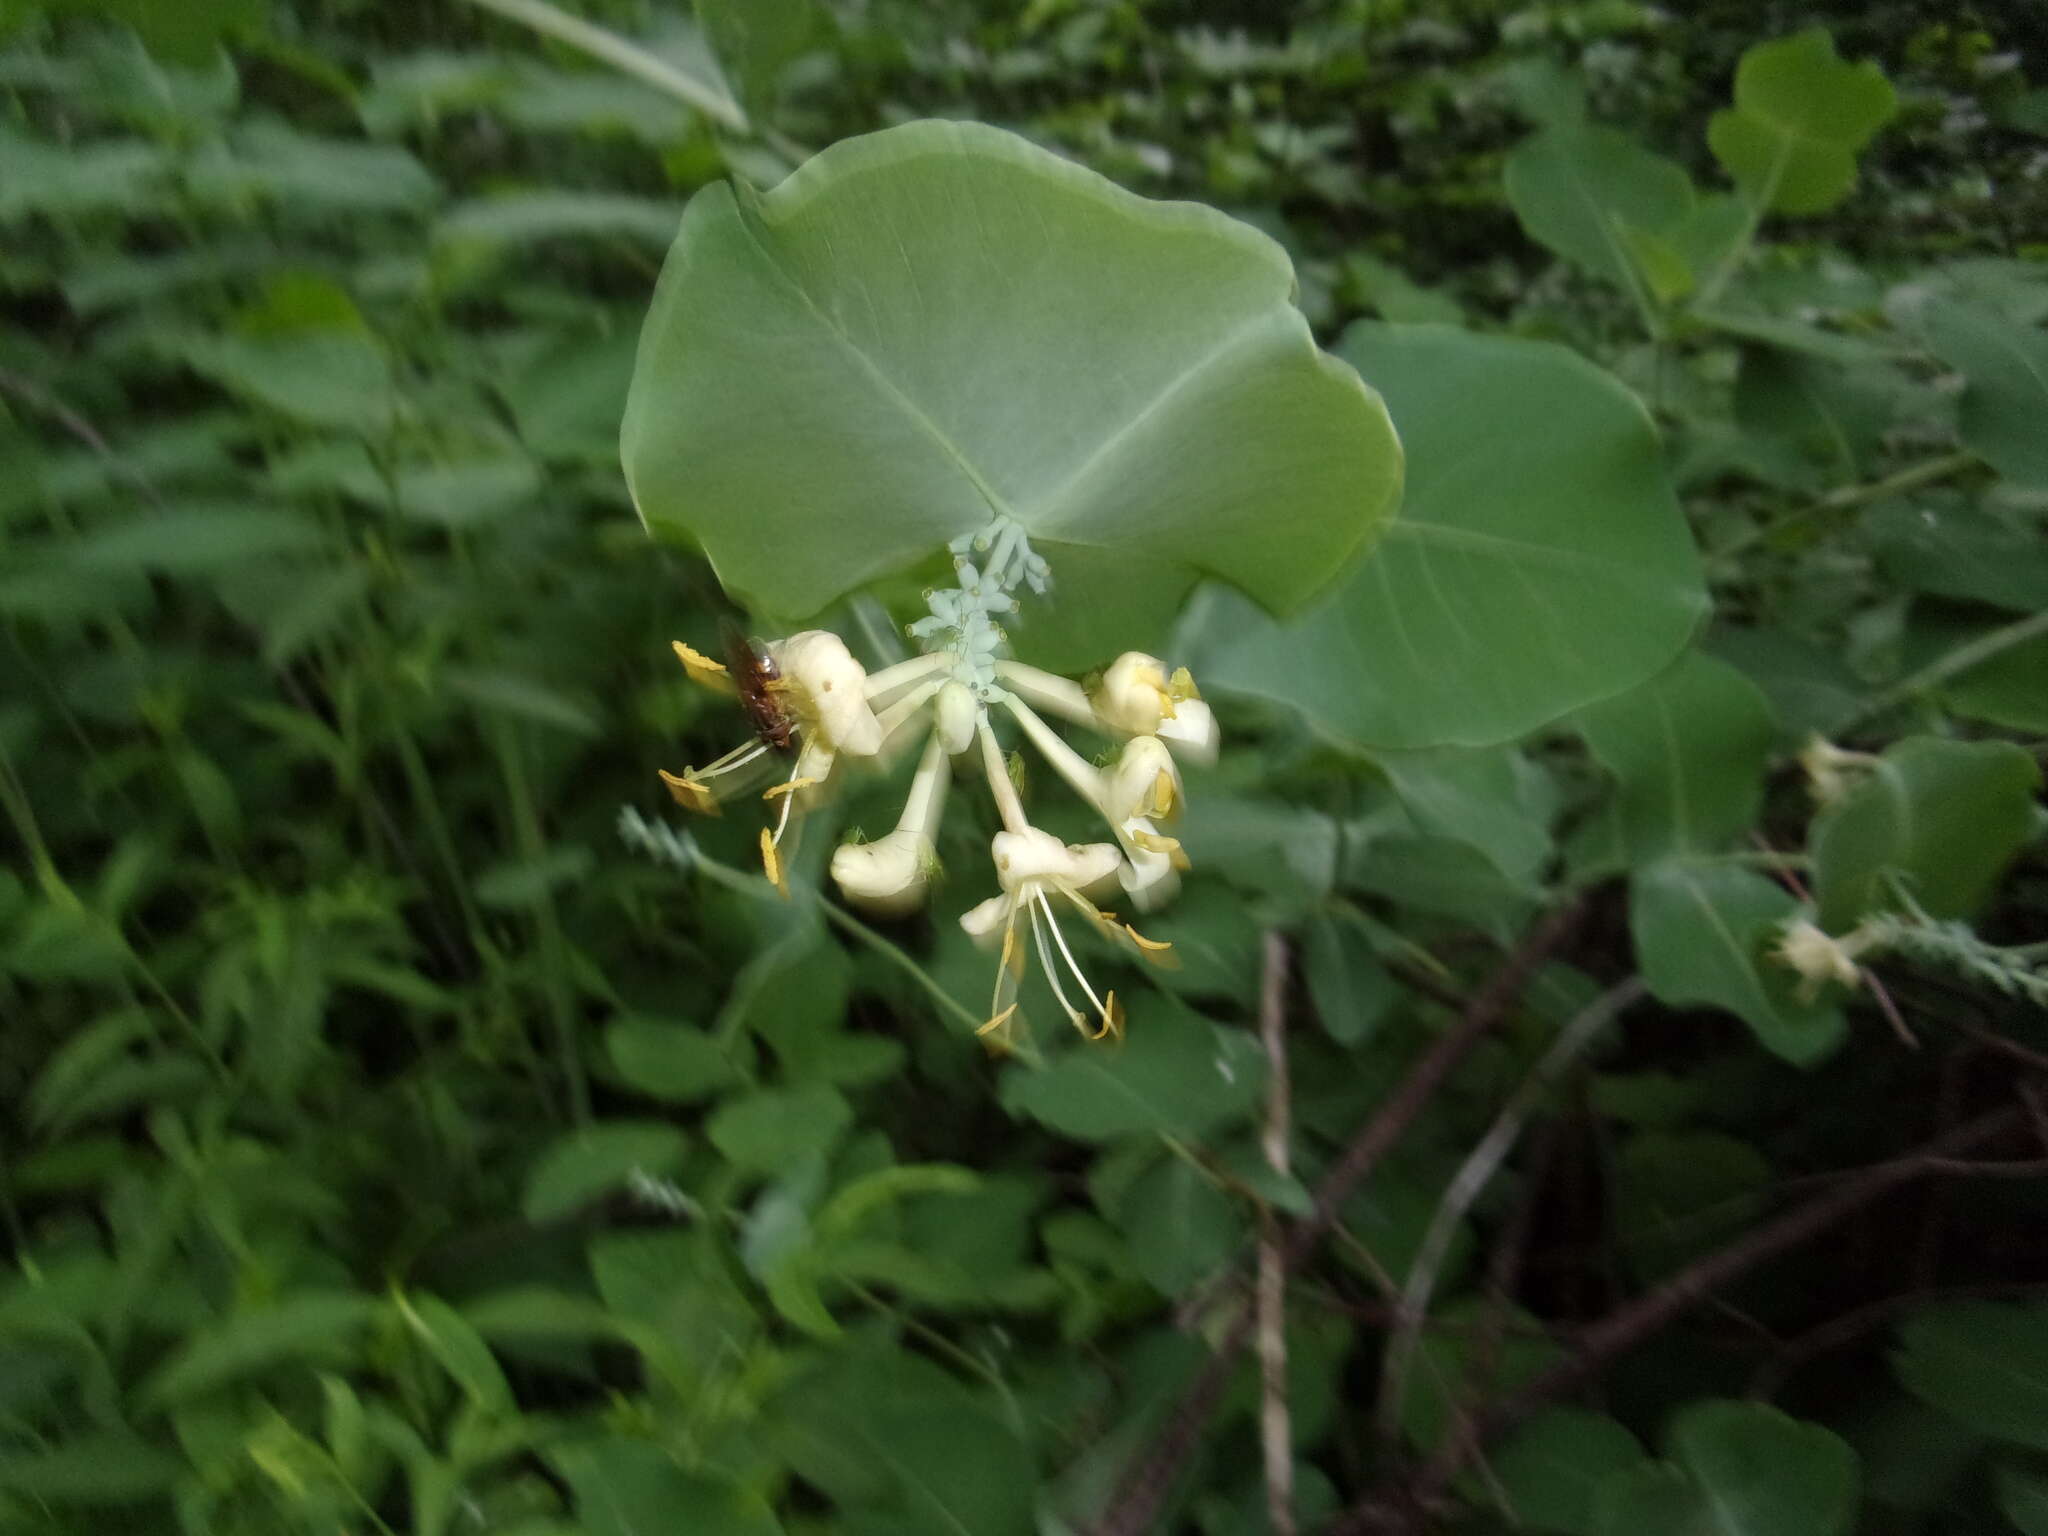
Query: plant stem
1942	668
1276	1434
1911	478
1149	1476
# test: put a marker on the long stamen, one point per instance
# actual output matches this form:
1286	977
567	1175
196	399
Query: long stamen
738	757
788	800
1052	975
1073	965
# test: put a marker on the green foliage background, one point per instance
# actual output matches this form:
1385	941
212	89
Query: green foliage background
390	1148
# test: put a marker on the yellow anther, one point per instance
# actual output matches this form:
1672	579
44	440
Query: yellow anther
702	668
1162	795
1112	1019
996	1023
771	862
789	787
689	793
1013	953
1154	842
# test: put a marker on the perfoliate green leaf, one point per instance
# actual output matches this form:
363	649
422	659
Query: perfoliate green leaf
933	326
1943	816
1801	114
1742	1469
1983	1363
1539	562
1702	934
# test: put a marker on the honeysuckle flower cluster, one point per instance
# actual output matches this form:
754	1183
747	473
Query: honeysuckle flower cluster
822	710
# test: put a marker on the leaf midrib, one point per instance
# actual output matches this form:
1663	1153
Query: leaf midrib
1037	517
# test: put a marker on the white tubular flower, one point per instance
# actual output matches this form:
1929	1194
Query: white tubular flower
809	702
826	689
1150	873
1818	957
1035	868
1831	772
891	876
1192	731
1152	860
1144	782
1136	694
956	712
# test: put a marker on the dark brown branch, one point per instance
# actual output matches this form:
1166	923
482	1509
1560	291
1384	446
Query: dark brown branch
1604	1342
1134	1507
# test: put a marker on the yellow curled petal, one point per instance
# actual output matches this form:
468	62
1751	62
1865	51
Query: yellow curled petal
691	794
771	862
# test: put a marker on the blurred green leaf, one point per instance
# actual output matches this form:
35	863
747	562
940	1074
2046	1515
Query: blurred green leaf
2005	368
1801	114
1984	1363
1552	1467
1687	751
1174	1072
1702	932
311	1326
1742	1469
1589	193
635	1488
1945	817
779	1128
582	1164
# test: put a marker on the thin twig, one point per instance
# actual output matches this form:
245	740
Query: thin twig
1944	667
36	397
1633	1324
1276	1434
1134	1506
1472	1178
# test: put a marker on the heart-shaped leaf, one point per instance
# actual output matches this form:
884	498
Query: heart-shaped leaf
932	327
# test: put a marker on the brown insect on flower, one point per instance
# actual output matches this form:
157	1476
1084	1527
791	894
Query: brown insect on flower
758	681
